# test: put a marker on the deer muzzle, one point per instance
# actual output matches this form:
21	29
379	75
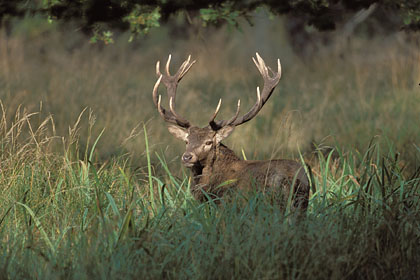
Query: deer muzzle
188	159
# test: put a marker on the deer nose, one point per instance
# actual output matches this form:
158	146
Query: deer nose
186	157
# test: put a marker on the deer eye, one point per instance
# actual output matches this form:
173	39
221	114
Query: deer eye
209	143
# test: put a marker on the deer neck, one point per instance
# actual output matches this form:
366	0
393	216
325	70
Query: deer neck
197	171
221	156
218	158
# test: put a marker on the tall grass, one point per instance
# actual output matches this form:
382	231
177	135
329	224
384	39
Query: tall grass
63	216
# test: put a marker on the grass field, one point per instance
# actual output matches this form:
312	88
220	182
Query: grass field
91	180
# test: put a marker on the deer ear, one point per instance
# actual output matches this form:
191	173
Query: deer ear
178	132
224	132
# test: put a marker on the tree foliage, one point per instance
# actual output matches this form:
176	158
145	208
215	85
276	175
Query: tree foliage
140	16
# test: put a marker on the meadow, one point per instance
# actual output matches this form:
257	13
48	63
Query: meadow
92	185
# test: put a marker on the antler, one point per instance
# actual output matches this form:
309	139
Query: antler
269	84
171	83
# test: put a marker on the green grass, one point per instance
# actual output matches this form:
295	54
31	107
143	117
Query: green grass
101	194
62	216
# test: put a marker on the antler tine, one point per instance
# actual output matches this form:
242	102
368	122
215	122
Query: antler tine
263	66
168	62
155	88
168	117
259	65
229	122
177	117
160	109
212	123
216	125
158	69
258	95
185	67
269	84
217	110
171	83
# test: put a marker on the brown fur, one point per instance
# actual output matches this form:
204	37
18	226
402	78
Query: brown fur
218	165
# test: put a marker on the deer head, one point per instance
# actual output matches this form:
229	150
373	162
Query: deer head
201	141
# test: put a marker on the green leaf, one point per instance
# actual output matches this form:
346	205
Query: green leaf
39	226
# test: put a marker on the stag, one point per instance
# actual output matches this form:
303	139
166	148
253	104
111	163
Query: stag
215	167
